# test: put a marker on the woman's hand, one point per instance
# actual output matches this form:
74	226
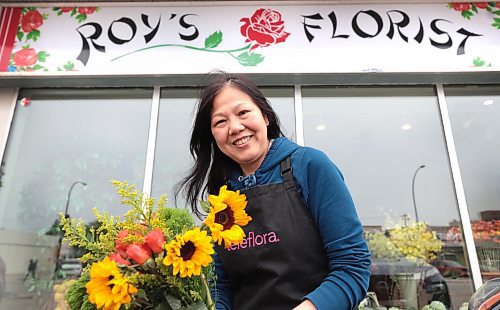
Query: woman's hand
305	305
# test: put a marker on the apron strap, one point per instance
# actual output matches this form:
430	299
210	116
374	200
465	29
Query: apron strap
286	173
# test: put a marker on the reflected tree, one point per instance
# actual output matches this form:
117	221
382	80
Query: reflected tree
44	196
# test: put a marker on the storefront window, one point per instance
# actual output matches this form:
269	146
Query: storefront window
474	117
64	148
388	143
177	108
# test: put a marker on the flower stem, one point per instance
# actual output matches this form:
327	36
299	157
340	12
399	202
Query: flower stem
204	49
211	305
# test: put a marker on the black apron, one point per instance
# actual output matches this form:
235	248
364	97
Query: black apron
282	258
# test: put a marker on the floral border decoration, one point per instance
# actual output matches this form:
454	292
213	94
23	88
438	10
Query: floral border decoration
28	31
468	9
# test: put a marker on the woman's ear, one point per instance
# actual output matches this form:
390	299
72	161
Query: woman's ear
266	120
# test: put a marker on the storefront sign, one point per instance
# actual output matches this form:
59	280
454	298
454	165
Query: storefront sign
267	39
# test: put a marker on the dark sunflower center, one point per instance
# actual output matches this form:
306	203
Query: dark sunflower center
187	250
225	218
109	279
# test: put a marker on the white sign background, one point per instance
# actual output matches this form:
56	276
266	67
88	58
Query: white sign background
60	39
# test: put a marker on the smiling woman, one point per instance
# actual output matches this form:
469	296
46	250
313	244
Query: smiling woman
240	129
237	142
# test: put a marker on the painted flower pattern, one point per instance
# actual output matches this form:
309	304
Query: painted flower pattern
79	13
467	10
264	28
481	5
29	24
86	10
461	6
32	20
25	57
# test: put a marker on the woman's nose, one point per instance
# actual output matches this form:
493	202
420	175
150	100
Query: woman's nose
235	127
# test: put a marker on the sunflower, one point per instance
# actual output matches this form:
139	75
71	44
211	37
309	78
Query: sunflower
107	288
187	253
226	217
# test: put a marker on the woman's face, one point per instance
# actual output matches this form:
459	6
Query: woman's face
239	128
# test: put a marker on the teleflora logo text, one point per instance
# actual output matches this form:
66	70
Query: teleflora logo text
253	240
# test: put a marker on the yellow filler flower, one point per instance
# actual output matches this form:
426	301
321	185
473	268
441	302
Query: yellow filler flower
189	252
107	288
227	215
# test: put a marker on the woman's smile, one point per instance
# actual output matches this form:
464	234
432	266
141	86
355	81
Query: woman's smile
242	141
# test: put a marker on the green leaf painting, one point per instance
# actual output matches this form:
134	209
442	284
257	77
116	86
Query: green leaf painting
213	40
250	59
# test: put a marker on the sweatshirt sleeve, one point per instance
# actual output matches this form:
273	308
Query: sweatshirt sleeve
332	209
222	290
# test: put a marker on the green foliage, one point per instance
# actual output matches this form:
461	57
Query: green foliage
99	239
99	242
178	220
76	296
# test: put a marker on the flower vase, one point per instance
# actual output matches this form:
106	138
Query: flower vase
408	286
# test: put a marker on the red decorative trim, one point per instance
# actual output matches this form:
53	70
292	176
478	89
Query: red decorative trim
9	21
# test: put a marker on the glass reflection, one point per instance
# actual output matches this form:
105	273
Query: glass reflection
388	142
59	140
474	114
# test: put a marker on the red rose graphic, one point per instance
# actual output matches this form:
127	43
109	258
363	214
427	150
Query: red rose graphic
25	57
264	28
31	21
481	5
461	6
86	10
66	9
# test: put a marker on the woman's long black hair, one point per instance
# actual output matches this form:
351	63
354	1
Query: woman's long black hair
212	168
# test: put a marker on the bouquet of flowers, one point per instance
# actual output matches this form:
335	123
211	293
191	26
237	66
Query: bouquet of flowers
154	258
414	242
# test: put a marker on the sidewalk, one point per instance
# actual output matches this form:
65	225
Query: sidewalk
19	297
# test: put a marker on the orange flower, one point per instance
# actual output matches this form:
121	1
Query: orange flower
138	253
155	240
116	257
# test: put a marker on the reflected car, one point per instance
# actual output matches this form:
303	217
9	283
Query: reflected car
449	268
384	282
71	267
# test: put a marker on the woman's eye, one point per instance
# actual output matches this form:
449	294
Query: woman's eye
219	122
243	112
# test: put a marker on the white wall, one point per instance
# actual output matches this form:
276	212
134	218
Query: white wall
7	104
18	248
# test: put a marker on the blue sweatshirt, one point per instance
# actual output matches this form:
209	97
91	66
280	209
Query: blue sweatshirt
325	194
